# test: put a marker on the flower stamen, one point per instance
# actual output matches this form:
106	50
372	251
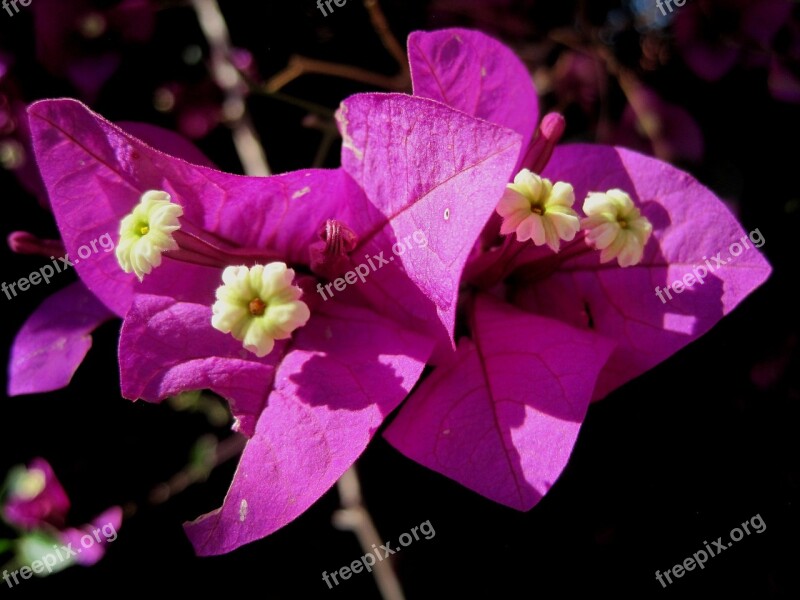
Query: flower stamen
257	307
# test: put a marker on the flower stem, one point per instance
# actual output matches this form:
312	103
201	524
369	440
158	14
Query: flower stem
300	65
353	516
245	139
212	453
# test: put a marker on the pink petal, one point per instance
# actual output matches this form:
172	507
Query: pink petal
476	74
346	371
502	416
54	340
424	167
90	541
170	347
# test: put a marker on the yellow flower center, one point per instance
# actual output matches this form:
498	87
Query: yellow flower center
257	307
30	484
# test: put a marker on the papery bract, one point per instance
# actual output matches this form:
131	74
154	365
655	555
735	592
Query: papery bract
102	530
37	504
54	341
501	416
690	223
477	414
35	497
430	170
472	72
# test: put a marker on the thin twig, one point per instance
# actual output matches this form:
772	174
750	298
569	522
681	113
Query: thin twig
301	65
223	451
330	133
381	26
354	517
248	145
630	85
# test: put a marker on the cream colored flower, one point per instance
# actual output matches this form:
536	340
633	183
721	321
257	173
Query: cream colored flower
537	210
616	227
259	305
146	233
29	484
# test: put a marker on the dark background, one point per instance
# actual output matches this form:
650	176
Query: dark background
681	455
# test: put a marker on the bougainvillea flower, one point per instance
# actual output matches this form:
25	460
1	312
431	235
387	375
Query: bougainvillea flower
36	503
715	35
62	549
549	332
34	497
784	66
84	40
313	402
91	539
55	339
651	125
16	154
535	209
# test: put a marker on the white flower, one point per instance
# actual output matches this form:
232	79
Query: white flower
616	227
146	233
537	210
259	305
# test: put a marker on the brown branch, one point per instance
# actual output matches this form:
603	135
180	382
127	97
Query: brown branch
301	65
223	451
354	517
381	26
213	454
248	145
